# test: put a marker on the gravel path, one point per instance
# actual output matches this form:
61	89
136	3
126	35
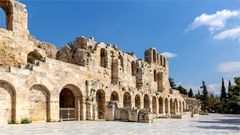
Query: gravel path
213	124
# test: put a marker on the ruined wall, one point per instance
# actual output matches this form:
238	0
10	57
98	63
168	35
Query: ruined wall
33	74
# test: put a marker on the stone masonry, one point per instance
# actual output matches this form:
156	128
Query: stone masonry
41	83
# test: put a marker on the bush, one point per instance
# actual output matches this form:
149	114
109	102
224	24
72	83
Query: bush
26	121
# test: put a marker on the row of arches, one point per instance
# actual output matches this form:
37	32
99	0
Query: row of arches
157	58
104	61
71	100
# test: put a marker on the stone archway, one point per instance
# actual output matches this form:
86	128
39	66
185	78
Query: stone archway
180	107
166	106
138	101
101	104
176	106
114	96
160	101
71	104
7	7
33	56
39	103
172	107
154	105
127	100
7	102
146	101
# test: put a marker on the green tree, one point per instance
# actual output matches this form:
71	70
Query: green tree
236	89
190	93
204	96
172	83
230	90
182	90
223	91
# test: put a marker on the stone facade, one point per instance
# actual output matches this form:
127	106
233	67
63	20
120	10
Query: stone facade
75	83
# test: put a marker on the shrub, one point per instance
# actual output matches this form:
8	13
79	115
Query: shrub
26	121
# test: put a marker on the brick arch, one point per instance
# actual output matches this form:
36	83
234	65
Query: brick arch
114	96
7	6
7	102
137	101
127	102
70	96
160	102
103	58
101	103
39	103
146	100
154	105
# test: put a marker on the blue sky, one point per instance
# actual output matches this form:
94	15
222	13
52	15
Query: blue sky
191	32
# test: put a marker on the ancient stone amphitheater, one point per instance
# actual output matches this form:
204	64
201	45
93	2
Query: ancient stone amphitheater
77	82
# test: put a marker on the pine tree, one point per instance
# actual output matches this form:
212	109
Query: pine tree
190	93
172	83
204	96
223	91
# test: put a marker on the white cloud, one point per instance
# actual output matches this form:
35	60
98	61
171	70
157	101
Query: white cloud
233	33
169	54
229	67
215	21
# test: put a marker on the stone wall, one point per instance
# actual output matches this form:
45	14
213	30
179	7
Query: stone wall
33	75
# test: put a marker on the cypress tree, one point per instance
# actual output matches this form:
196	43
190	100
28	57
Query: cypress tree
190	93
204	96
223	91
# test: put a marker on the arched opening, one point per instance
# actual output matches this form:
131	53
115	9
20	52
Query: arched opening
183	106
6	15
127	100
172	107
7	102
146	101
121	62
154	56
114	96
2	19
161	60
71	103
133	66
137	101
160	105
104	58
166	106
39	103
175	106
154	105
34	56
164	61
155	75
101	104
160	81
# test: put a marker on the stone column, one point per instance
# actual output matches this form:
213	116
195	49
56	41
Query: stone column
157	106
89	111
83	111
78	108
169	108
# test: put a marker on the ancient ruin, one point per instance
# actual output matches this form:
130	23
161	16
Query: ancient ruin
84	80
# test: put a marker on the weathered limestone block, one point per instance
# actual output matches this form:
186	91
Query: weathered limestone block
145	116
